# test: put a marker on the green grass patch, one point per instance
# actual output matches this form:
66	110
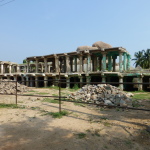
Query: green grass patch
58	114
42	93
32	91
8	105
81	135
141	95
49	100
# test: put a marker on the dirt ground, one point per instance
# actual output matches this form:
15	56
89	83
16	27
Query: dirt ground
85	128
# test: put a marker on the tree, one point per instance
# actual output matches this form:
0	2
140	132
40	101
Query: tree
24	61
142	59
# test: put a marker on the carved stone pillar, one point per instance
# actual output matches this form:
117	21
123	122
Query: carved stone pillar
128	62
121	81
114	63
81	80
36	66
120	61
140	80
109	63
45	65
45	81
88	80
103	79
125	61
104	62
81	63
88	62
75	63
27	81
68	82
67	64
27	66
10	68
36	82
2	68
56	64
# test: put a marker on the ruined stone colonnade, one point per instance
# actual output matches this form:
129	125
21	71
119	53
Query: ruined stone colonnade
97	63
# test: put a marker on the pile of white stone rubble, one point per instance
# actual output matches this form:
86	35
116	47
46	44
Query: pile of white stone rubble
102	94
9	87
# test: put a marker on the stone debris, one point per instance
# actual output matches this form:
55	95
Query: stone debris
102	94
8	87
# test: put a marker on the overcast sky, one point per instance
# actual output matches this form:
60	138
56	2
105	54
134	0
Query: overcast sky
42	27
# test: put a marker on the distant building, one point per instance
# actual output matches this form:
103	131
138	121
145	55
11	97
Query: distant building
96	63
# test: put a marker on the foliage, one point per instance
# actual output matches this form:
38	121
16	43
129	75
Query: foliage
24	61
81	135
51	100
142	59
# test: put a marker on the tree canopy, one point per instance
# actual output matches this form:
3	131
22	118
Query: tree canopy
142	59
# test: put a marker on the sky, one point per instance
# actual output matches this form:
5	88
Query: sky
43	27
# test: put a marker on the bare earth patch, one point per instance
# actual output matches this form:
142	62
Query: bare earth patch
30	127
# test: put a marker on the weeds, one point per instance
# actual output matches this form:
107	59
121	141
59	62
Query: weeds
58	114
8	105
81	135
51	100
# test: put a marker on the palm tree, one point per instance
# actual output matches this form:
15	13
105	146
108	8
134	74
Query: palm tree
142	59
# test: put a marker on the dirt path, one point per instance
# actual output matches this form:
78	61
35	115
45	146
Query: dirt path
85	128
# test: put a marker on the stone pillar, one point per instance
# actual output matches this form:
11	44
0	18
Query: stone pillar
95	63
81	80
56	64
88	79
128	62
15	78
104	62
45	81
103	79
75	63
67	64
68	82
18	69
36	66
27	66
120	61
27	81
10	68
71	64
45	65
121	81
109	63
22	80
2	68
114	63
81	63
140	80
36	81
88	62
125	62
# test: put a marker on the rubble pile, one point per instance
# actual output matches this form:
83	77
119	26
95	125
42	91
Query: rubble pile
8	87
102	94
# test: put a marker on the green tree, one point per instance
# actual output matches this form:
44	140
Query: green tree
24	61
142	59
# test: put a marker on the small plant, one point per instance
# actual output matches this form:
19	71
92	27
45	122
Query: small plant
103	118
81	135
58	114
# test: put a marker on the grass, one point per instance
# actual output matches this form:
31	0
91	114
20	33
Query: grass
32	91
141	95
49	100
58	114
42	93
2	105
81	135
